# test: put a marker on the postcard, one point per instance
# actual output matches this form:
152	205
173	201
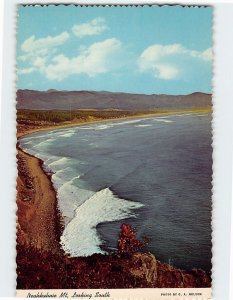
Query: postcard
114	151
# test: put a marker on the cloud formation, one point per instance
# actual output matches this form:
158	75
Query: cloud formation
170	62
98	58
94	27
166	62
26	71
40	54
44	44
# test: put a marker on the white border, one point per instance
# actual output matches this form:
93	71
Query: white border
222	127
1	44
7	157
223	141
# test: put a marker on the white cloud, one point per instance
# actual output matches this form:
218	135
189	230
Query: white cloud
38	51
42	45
170	61
94	27
39	62
25	71
206	55
99	58
167	71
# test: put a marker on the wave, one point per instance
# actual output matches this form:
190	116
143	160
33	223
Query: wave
29	142
64	175
59	163
183	115
32	136
163	120
70	197
44	143
144	125
202	115
110	124
80	237
68	133
86	127
102	127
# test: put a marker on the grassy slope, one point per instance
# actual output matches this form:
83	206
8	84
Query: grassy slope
38	269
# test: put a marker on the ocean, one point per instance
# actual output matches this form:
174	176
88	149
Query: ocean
154	173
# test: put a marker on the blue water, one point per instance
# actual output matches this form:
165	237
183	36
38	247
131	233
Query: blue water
154	173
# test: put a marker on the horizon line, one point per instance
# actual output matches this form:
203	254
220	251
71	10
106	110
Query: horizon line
119	92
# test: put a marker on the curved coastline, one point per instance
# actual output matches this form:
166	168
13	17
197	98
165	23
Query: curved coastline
43	231
43	187
74	124
39	222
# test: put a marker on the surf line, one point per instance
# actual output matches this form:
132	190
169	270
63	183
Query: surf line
80	236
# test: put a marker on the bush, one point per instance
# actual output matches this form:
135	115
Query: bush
128	242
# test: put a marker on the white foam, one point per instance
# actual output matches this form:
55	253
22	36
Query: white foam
60	177
49	159
67	133
59	163
107	125
128	122
44	143
86	127
32	137
70	197
163	120
80	237
102	127
143	125
27	143
202	115
182	115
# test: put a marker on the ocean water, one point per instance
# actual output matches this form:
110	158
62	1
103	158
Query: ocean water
154	173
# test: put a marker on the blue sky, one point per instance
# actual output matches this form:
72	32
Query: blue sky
148	50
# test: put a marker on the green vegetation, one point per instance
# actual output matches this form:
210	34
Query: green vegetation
76	115
41	119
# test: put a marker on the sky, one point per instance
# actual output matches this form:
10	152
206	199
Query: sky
145	50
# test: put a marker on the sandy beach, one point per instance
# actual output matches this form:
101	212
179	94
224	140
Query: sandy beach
31	129
38	219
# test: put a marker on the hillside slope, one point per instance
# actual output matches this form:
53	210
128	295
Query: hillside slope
66	100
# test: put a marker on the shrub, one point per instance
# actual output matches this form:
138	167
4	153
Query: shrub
128	242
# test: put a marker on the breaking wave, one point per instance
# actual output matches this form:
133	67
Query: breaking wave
80	237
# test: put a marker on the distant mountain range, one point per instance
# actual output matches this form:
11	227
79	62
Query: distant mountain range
66	100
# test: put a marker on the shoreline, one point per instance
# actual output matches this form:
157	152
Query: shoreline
74	124
44	189
38	218
45	260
